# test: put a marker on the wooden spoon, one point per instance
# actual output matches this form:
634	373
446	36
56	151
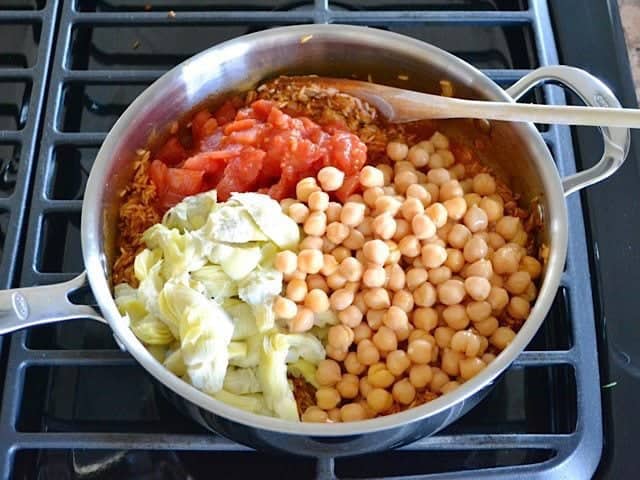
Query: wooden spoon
399	106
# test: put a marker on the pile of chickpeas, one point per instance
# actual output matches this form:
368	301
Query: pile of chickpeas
423	270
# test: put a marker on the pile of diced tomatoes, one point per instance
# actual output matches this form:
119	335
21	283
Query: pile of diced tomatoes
257	148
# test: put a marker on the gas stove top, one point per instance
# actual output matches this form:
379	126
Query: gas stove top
74	406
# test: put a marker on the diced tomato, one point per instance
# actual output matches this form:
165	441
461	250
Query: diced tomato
278	118
261	109
349	186
347	152
241	173
209	162
225	113
158	172
239	125
172	152
184	182
209	127
461	153
197	124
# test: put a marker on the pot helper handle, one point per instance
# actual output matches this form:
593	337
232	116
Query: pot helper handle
592	92
27	307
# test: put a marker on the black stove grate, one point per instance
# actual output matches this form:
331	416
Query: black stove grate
74	406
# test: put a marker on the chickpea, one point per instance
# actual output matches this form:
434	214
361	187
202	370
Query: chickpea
455	260
443	336
532	266
397	151
418	156
502	337
337	232
335	281
371	177
395	277
478	311
434	191
315	414
420	192
518	308
352	213
518	282
488	358
508	227
411	207
398	362
379	377
437	161
403	299
351	269
327	398
298	212
477	288
306	187
317	281
484	184
315	224
296	290
374	318
377	298
409	246
439	275
487	326
286	262
310	261
354	241
470	367
438	379
438	176
311	243
425	318
449	387
475	249
420	376
374	276
350	316
422	226
303	321
458	236
451	292
471	199
498	298
384	226
285	308
456	317
341	299
450	189
476	219
370	195
352	364
403	179
348	386
419	351
433	255
425	295
376	251
367	352
333	212
328	373
379	400
450	362
352	412
365	387
505	260
479	268
318	201
316	301
456	208
340	336
387	171
466	342
415	277
361	331
330	178
492	208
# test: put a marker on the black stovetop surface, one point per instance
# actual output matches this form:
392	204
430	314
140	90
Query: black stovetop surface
74	406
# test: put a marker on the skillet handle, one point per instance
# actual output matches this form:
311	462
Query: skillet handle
26	307
592	92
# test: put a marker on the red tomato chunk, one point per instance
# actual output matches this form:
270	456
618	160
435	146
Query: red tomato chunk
250	149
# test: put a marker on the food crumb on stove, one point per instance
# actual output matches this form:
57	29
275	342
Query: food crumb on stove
171	14
136	44
403	77
306	38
